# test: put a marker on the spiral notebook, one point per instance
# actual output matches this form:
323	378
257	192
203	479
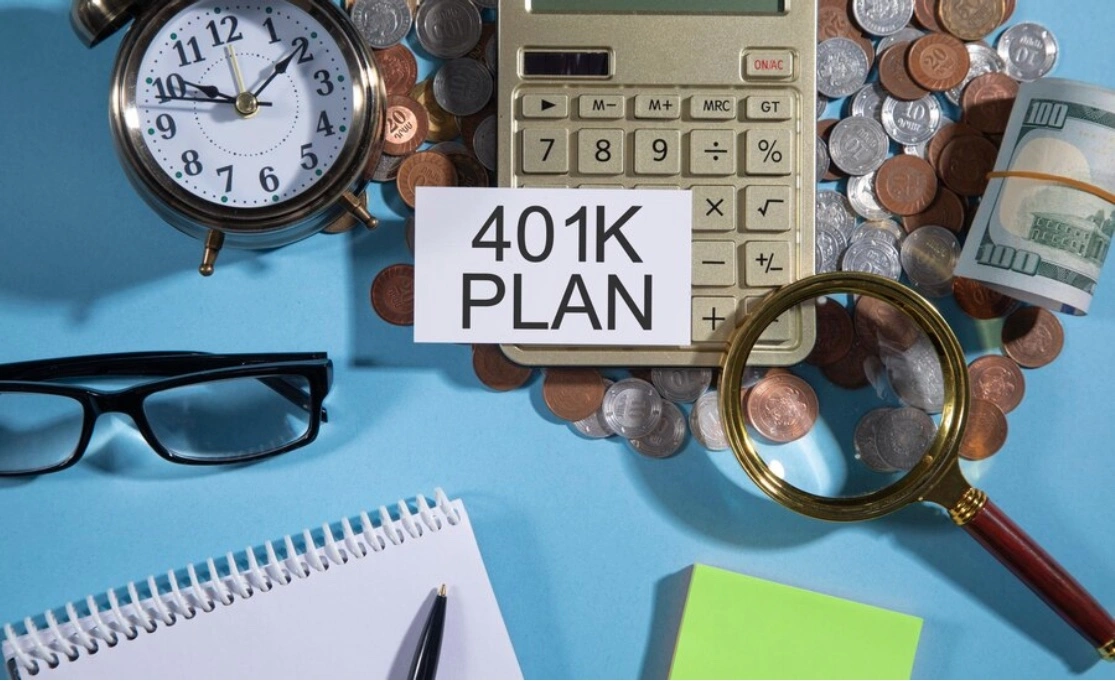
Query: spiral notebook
345	602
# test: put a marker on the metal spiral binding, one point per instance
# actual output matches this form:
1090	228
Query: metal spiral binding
84	634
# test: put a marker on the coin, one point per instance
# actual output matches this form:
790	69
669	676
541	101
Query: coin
829	245
399	69
681	385
865	441
879	325
911	121
667	437
448	29
822	160
1029	51
947	210
988	101
929	257
705	423
782	408
981	302
424	169
595	426
997	379
469	171
824	131
393	295
938	62
864	201
496	371
903	437
407	125
858	145
926	13
849	371
946	134
443	125
986	432
874	257
1033	337
382	23
903	36
462	86
835	334
632	407
842	67
886	231
982	59
834	22
882	18
965	163
971	19
484	142
894	75
868	102
833	209
906	185
572	394
916	375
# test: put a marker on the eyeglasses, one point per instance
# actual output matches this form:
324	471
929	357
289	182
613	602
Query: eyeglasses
202	409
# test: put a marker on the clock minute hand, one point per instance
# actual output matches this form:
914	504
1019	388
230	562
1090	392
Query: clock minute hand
164	100
279	69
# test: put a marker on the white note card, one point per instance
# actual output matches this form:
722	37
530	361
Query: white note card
553	266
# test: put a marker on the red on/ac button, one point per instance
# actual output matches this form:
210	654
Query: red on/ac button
769	64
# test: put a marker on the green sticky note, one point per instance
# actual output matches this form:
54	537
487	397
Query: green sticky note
740	627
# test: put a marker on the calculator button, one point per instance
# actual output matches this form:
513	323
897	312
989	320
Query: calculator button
769	152
714	209
712	152
546	152
657	152
714	319
770	108
778	331
714	263
769	64
545	106
767	209
712	107
662	107
610	107
767	263
600	152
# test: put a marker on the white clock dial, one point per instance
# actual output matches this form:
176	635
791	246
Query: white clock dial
246	104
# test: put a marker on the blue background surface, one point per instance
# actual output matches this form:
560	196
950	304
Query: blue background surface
585	541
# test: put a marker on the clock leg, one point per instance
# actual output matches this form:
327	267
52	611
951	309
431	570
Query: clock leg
213	244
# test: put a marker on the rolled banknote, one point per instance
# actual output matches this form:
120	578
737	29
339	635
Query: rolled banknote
1044	227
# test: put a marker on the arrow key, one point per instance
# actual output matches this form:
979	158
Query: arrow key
550	107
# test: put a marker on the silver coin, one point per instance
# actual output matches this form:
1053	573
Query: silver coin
904	436
705	423
681	385
868	102
872	256
876	373
865	441
752	375
833	210
594	426
915	374
830	246
667	437
410	234
491	52
822	158
929	256
887	231
462	86
1029	51
983	60
842	67
864	200
822	104
382	23
858	145
904	35
450	148
387	168
882	17
632	407
448	29
484	142
912	122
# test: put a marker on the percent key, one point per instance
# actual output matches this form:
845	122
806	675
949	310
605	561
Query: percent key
769	152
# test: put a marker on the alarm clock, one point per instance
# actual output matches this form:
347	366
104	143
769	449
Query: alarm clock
250	124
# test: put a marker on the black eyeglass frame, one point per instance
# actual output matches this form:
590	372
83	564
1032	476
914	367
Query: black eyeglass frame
180	369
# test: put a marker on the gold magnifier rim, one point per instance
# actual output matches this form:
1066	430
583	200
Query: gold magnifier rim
943	452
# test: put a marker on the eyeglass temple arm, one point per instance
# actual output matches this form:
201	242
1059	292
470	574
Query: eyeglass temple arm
140	364
292	394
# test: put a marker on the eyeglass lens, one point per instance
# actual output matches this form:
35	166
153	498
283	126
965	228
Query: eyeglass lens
38	430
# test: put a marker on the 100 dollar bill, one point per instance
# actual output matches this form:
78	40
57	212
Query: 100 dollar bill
1045	241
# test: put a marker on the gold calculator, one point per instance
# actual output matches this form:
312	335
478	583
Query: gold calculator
716	96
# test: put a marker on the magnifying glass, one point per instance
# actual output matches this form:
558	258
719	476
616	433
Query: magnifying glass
905	452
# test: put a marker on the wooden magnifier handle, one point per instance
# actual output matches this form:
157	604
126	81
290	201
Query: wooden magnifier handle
997	533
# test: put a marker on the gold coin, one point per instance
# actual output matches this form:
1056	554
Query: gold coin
443	125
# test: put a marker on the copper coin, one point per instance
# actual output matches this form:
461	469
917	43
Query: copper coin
971	19
443	125
947	210
986	432
835	334
824	130
470	172
850	371
894	75
946	134
965	164
834	21
424	169
1033	337
573	394
399	69
997	379
906	184
981	302
496	371
938	62
926	13
782	408
393	295
880	324
988	100
1009	12
407	125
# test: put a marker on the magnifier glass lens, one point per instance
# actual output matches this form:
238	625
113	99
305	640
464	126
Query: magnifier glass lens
868	397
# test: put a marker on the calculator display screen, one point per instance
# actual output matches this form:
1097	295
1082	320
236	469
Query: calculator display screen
660	6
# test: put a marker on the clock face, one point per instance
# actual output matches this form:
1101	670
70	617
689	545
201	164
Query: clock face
244	105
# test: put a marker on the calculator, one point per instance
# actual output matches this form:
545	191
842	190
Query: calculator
715	96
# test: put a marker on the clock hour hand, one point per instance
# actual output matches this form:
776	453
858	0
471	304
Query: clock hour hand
278	69
210	91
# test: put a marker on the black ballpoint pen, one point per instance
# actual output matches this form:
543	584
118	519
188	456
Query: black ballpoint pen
426	656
